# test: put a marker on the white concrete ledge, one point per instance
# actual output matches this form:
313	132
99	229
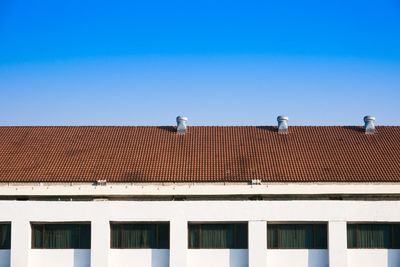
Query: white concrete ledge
199	189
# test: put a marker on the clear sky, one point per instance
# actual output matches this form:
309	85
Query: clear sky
218	62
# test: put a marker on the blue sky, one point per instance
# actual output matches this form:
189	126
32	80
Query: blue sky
217	62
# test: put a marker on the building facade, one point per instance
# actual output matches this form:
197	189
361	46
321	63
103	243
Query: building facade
200	196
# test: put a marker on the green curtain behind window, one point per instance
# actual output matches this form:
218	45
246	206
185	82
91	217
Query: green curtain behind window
85	236
163	235
396	236
61	236
37	236
296	236
321	236
139	236
272	236
194	236
217	236
241	236
5	236
374	236
116	234
351	236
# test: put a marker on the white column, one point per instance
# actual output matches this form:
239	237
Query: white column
100	245
178	243
257	243
20	243
337	243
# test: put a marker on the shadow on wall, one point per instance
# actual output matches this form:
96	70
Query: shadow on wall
393	257
238	258
160	258
81	257
318	258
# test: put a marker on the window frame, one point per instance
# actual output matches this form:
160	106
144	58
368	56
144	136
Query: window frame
314	224
391	234
157	223
6	223
225	223
43	224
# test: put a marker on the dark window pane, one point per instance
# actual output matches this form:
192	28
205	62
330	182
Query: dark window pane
396	236
299	236
241	235
61	236
224	235
85	236
163	235
321	236
194	235
139	235
308	231
5	236
217	236
374	236
351	236
37	236
272	236
116	235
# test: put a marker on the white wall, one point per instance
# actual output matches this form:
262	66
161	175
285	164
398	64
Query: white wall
20	213
4	258
138	258
257	243
337	243
217	258
197	189
373	257
298	258
59	258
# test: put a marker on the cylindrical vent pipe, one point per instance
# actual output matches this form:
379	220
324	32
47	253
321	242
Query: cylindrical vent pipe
181	127
369	126
282	124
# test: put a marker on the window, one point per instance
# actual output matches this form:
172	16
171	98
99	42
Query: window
140	235
377	235
221	235
5	235
61	235
297	236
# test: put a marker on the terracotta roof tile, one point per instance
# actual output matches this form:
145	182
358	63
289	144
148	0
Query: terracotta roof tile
204	154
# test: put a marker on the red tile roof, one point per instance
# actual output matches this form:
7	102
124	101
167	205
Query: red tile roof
204	154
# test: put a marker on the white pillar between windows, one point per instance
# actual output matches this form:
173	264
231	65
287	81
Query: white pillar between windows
337	244
20	243
257	243
178	243
100	244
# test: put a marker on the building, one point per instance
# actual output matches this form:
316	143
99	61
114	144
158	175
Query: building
304	196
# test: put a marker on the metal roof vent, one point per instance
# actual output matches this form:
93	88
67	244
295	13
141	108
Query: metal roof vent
282	124
256	182
369	126
101	182
181	120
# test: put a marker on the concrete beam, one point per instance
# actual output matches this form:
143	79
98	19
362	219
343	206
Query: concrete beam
337	243
257	243
178	243
20	242
100	246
